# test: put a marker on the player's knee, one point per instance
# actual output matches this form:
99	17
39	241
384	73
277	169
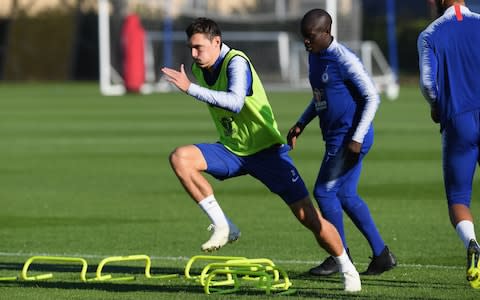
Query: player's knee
306	214
173	158
324	197
309	221
177	158
324	190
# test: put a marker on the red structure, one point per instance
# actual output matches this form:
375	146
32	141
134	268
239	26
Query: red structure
133	44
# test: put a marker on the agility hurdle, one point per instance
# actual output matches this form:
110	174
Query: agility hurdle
140	257
29	261
234	270
266	277
12	278
203	258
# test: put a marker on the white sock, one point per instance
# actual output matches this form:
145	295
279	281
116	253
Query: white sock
213	210
343	261
465	231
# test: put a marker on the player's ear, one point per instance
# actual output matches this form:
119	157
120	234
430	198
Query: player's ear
217	40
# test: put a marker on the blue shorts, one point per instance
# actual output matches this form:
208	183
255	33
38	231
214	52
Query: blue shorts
272	166
460	140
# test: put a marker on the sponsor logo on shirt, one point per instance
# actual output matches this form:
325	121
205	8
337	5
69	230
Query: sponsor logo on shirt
320	101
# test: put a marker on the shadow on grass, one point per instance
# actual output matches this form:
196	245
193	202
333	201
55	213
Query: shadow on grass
109	286
57	282
170	287
332	289
373	281
176	285
395	283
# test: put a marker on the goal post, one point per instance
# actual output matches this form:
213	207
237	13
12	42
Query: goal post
267	30
110	81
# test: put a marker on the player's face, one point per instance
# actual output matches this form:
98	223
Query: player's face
315	38
204	51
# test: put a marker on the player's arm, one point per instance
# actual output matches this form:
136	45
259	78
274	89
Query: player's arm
354	72
428	74
297	129
239	86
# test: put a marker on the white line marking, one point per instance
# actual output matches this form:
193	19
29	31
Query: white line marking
185	258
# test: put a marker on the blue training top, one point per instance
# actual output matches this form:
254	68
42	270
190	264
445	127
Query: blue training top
344	95
449	62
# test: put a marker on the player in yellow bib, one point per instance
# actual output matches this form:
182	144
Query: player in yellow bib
249	143
251	129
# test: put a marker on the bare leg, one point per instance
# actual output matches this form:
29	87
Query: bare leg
462	220
328	238
458	213
188	162
325	233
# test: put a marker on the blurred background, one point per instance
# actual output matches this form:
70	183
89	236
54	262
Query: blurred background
63	40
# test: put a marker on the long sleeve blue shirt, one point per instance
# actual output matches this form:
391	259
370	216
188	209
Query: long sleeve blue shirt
344	96
449	61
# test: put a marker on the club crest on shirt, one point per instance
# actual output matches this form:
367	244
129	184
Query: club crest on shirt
227	125
325	75
320	101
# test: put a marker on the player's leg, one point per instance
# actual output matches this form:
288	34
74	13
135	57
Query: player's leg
336	171
358	211
325	192
328	182
460	155
329	239
324	232
188	163
275	169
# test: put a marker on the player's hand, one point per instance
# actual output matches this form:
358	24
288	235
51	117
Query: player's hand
353	152
434	114
355	147
178	78
293	133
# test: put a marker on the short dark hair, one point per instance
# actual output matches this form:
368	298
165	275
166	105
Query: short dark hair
205	26
315	16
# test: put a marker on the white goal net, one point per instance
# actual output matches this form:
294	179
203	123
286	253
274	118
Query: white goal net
267	30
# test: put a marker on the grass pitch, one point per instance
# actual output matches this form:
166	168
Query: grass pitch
86	175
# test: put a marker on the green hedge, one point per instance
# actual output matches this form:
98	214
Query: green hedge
40	47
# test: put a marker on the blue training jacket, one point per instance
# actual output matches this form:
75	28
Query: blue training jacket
344	96
449	60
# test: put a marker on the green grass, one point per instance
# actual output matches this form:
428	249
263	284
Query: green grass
86	175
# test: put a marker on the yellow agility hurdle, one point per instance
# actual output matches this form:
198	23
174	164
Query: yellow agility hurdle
233	270
204	258
266	277
140	257
267	263
12	278
224	274
29	261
